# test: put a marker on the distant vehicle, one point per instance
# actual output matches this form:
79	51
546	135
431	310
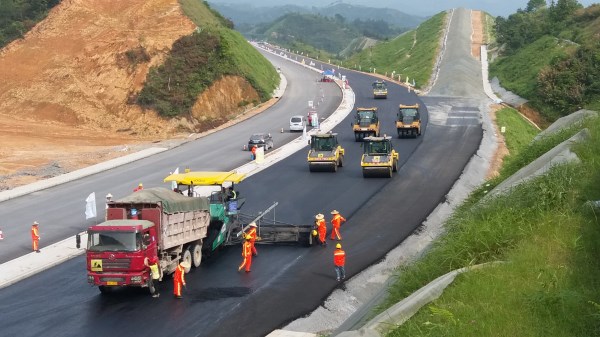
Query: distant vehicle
366	123
408	122
263	140
380	89
297	123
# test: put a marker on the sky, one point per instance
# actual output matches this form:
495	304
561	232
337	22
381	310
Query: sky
419	8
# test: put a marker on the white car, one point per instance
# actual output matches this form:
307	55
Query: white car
297	123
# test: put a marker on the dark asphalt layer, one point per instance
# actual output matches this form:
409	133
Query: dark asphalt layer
286	281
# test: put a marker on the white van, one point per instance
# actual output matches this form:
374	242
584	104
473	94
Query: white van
297	123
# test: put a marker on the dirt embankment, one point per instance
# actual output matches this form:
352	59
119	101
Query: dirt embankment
67	87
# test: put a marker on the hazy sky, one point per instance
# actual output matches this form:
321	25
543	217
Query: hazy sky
420	7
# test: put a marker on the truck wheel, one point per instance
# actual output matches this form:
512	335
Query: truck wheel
187	257
104	289
334	167
197	255
389	175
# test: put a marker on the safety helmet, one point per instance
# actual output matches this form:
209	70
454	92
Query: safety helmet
252	224
314	232
338	246
141	185
35	223
319	216
154	259
335	212
108	196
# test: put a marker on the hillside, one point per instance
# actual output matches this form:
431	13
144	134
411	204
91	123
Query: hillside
250	14
69	87
556	52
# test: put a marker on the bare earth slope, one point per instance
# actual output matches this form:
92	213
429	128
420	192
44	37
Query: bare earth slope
65	87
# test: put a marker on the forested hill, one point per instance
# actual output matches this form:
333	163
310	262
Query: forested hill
551	56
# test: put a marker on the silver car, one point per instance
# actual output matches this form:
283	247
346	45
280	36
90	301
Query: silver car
297	123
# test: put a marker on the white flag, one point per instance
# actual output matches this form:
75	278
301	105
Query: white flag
90	206
174	183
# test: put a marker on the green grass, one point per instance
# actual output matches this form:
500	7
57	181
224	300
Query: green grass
198	60
401	56
550	240
518	131
519	73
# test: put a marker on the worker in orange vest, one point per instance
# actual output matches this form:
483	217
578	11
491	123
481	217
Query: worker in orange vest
246	254
35	237
179	279
336	221
339	260
139	188
321	228
253	237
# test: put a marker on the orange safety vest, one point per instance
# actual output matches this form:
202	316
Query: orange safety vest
247	249
321	225
35	235
252	234
337	220
339	257
179	272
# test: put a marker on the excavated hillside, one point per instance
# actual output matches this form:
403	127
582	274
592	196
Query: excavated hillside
67	90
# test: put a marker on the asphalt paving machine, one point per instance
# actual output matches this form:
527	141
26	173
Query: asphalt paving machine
227	222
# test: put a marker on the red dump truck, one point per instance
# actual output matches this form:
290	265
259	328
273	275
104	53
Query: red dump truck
151	222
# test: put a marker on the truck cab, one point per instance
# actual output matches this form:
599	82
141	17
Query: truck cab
116	250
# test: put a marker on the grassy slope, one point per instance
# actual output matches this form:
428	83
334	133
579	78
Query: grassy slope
252	65
401	57
198	60
550	285
519	73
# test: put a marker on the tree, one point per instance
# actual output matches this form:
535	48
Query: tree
534	5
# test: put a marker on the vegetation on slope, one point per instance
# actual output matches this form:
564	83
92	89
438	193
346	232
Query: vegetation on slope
411	54
196	61
330	34
545	231
551	56
17	17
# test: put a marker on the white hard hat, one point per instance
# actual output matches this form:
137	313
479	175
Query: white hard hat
109	195
252	224
36	223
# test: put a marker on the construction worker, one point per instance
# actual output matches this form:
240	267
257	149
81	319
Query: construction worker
246	254
35	237
152	263
339	260
321	228
336	221
253	236
139	188
179	279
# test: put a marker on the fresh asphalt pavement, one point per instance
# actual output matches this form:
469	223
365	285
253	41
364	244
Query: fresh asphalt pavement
286	281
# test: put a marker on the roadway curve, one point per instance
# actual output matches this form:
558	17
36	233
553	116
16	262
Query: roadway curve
286	281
